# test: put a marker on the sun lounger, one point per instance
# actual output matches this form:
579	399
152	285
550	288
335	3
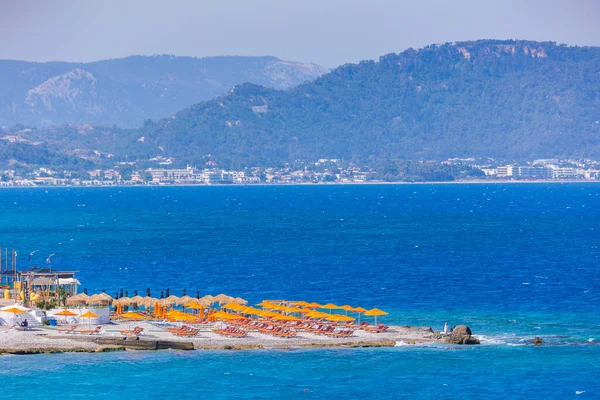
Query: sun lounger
376	329
90	331
70	329
232	332
135	332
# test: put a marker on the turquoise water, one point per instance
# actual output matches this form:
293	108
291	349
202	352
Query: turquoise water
511	261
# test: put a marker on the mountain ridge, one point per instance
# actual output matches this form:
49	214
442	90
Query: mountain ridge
129	90
489	98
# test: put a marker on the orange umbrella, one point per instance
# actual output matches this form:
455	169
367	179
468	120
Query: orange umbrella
89	315
119	308
133	315
15	310
375	312
66	313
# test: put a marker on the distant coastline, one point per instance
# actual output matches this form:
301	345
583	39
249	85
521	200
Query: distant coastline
457	182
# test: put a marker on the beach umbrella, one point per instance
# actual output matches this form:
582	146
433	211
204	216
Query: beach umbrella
375	312
286	318
224	315
170	300
66	313
184	300
207	298
240	301
194	306
231	306
15	306
346	308
89	315
359	311
124	301
15	310
301	303
133	315
119	308
148	302
340	318
330	306
79	299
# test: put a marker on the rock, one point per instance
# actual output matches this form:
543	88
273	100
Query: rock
537	341
425	329
461	334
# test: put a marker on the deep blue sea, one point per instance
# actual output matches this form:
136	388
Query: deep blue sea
512	261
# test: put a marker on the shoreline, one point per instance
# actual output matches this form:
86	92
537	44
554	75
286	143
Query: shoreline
458	182
44	340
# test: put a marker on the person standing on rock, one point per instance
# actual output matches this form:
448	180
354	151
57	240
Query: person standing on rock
446	328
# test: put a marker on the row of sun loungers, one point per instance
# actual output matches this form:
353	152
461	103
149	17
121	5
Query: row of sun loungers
184	331
73	329
231	331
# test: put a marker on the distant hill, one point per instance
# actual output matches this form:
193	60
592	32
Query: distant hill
130	90
504	99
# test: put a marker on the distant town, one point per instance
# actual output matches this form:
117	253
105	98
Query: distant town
320	171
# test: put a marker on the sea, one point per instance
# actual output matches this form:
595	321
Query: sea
512	261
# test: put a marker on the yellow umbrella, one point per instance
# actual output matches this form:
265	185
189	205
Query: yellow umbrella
66	313
313	305
89	314
340	318
300	303
194	306
375	312
330	306
347	308
231	306
132	315
14	310
359	310
224	315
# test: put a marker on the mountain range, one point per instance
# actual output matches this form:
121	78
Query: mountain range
130	90
488	98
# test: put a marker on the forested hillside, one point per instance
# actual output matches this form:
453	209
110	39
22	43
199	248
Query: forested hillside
505	99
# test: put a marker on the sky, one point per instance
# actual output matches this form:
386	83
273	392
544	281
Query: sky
327	32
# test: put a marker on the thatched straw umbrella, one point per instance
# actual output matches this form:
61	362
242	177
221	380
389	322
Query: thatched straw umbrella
125	301
185	299
78	300
240	301
136	301
148	302
172	299
165	302
207	299
97	300
106	297
222	298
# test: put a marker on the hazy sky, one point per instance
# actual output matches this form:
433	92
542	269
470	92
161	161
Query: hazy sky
328	32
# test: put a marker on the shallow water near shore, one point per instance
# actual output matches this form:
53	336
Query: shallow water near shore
483	372
511	261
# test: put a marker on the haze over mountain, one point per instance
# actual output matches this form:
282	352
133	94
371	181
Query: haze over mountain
129	90
505	99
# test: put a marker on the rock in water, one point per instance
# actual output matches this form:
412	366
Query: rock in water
537	341
461	334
